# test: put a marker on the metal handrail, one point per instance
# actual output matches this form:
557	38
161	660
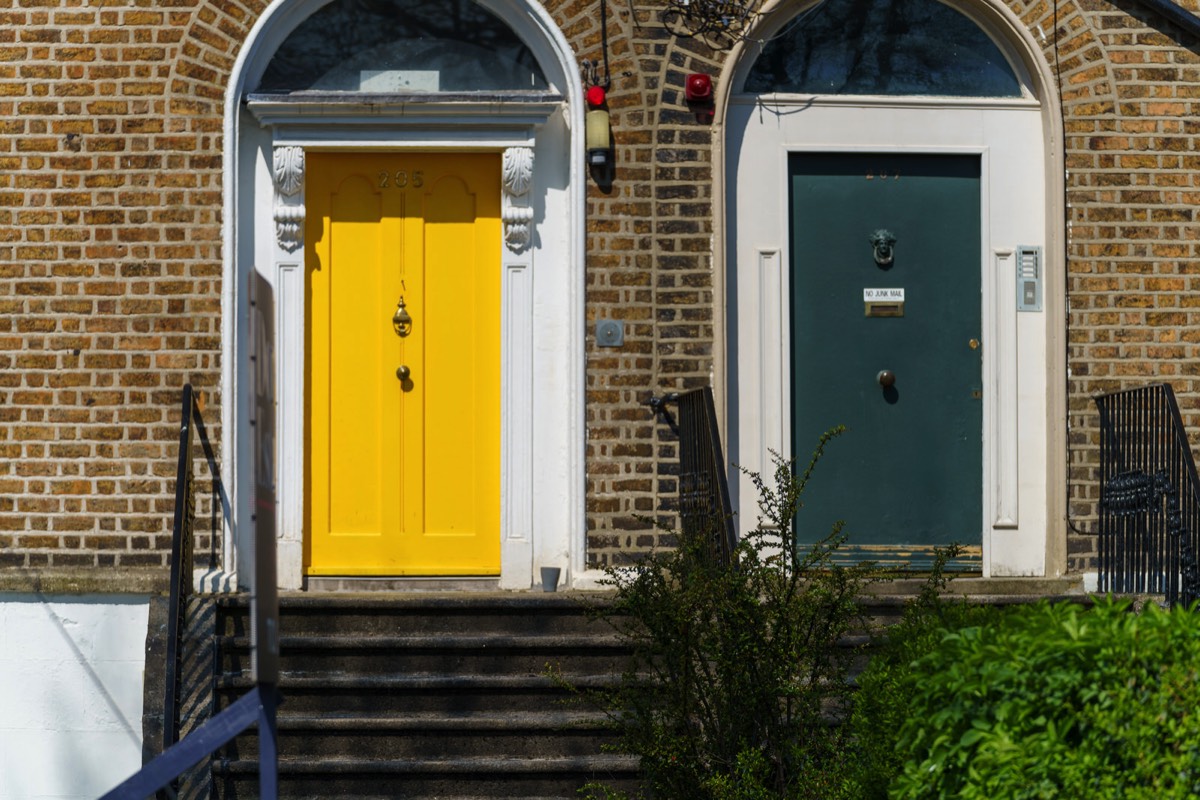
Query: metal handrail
181	567
256	707
704	505
1149	496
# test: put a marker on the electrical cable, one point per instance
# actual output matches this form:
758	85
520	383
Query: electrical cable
604	44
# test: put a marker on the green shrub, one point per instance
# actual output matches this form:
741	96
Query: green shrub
738	679
1056	701
737	666
882	703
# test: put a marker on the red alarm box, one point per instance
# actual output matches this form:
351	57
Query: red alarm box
697	88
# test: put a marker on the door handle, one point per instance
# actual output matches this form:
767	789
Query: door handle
403	372
886	378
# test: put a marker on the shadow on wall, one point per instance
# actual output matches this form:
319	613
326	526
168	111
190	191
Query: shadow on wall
71	672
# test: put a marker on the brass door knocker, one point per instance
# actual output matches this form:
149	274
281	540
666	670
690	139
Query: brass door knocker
883	245
402	321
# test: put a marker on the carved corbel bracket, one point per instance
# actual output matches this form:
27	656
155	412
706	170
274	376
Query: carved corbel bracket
289	205
289	226
517	215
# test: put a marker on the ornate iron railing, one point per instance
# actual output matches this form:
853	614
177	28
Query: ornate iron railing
704	506
1149	496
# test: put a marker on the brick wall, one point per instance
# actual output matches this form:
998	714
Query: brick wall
110	253
109	277
650	265
1129	82
110	157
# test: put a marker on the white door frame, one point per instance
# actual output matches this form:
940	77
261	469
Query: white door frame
542	290
1024	362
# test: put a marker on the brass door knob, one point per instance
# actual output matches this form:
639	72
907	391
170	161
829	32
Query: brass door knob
886	378
403	372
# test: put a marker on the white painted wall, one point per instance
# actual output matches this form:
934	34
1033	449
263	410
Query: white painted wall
70	694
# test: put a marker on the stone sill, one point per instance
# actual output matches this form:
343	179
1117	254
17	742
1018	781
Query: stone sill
85	580
977	587
155	580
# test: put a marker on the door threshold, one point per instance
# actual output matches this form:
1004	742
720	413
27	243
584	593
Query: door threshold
488	583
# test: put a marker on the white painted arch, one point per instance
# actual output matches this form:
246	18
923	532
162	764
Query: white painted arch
1020	144
542	297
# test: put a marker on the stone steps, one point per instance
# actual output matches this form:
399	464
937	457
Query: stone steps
398	695
426	696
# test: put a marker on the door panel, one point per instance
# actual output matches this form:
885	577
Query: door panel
449	402
403	474
907	473
344	349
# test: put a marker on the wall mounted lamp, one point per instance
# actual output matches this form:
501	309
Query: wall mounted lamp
597	132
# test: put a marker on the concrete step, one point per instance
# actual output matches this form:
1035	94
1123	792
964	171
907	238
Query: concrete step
483	653
414	693
409	614
436	735
395	778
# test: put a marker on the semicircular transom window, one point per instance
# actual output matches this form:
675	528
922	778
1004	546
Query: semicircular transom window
883	47
402	46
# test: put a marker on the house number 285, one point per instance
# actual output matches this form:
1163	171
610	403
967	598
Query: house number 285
400	179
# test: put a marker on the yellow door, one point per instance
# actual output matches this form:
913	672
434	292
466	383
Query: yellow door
403	429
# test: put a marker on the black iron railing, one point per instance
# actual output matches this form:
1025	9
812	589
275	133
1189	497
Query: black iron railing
181	566
1149	496
704	506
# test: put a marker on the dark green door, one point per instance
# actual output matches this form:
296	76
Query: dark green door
907	474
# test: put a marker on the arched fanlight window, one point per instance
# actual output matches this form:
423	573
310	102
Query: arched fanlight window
883	47
402	46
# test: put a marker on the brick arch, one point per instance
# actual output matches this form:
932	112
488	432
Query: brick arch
1079	62
1075	55
214	36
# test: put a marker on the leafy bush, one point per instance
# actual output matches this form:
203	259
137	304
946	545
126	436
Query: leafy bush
737	666
1056	701
739	679
882	703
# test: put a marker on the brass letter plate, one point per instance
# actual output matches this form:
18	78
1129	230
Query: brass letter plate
883	302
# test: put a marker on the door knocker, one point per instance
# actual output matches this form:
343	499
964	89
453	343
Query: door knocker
883	244
402	321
